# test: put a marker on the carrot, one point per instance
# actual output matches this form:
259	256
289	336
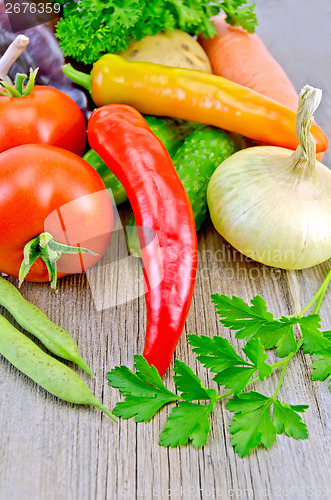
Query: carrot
243	58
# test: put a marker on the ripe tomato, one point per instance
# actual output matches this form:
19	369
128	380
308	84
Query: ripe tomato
45	116
47	189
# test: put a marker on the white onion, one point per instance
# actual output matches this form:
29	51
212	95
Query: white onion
273	204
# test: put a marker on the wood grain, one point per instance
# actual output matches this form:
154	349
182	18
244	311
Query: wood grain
52	450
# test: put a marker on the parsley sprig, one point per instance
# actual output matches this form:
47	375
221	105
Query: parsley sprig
91	28
258	418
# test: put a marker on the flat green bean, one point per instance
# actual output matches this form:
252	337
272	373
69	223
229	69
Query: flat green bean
48	372
33	320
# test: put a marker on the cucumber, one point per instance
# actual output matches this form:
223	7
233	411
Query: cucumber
110	180
195	162
171	133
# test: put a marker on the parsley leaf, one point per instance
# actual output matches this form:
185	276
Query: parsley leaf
240	14
215	353
253	427
322	367
145	392
256	322
286	342
286	419
252	424
254	350
190	385
313	338
231	370
279	333
327	335
236	314
187	422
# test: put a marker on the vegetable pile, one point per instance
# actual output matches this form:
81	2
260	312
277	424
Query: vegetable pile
108	26
196	149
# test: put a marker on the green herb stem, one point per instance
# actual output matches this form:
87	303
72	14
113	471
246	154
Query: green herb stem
273	367
323	291
277	365
319	296
280	381
228	393
286	362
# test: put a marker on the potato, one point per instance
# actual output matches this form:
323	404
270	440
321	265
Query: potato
171	48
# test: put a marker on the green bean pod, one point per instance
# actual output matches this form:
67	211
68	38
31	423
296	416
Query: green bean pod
33	320
48	372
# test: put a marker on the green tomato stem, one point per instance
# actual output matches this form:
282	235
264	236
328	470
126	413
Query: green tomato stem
31	82
50	252
19	81
18	90
11	91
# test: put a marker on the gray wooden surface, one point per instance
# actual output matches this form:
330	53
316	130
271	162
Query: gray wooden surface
51	450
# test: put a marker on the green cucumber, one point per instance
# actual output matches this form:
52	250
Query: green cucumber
171	133
110	180
195	162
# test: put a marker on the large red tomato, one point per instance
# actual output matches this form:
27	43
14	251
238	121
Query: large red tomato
45	116
47	189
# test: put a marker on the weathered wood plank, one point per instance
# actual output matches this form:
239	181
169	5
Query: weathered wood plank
53	450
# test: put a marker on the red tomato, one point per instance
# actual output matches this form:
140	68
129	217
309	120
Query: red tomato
47	189
45	116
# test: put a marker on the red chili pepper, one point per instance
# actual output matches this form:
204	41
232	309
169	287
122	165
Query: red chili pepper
120	135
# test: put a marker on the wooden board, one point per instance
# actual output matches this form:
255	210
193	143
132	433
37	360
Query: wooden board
51	450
